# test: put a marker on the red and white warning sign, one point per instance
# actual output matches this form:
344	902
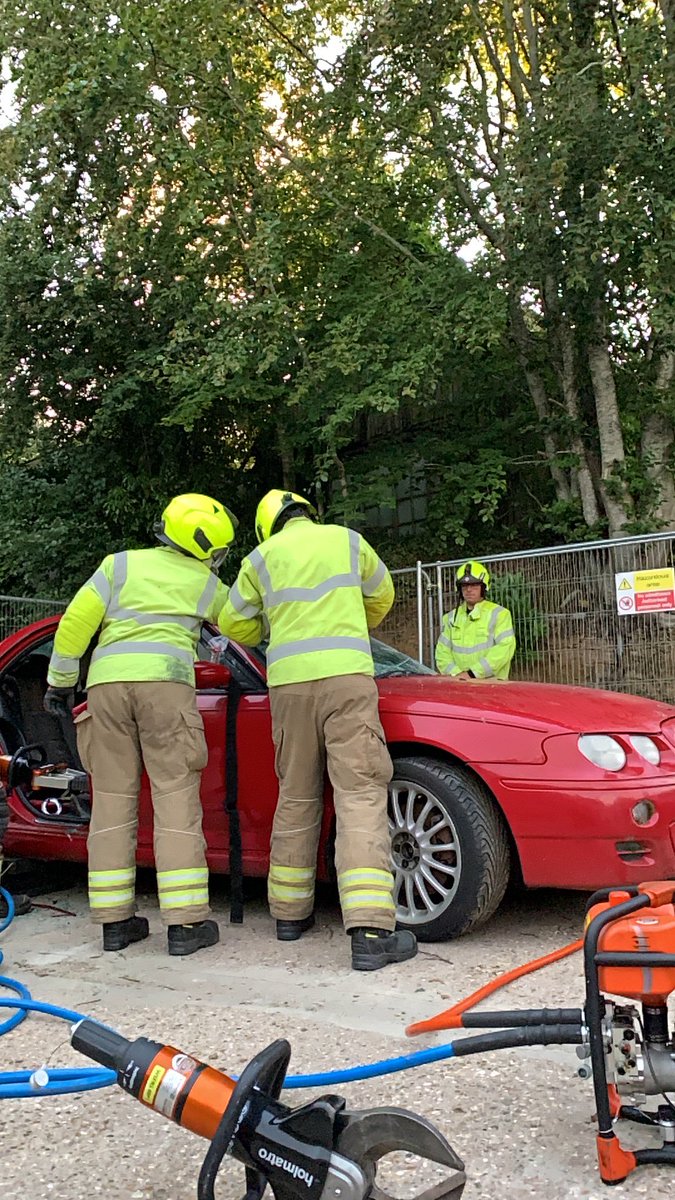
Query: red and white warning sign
645	591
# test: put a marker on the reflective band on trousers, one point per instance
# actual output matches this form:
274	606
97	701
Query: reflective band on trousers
291	874
283	891
308	645
192	899
111	899
172	879
143	648
371	875
290	883
359	899
112	889
366	887
187	888
112	878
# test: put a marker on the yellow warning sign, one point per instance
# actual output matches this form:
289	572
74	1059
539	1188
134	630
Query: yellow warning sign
645	591
654	581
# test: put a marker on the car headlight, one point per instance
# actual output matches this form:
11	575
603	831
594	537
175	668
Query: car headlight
646	747
603	751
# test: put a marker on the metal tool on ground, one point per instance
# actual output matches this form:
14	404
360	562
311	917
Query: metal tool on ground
53	790
319	1151
629	952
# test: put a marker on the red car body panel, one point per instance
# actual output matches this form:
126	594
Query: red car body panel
566	816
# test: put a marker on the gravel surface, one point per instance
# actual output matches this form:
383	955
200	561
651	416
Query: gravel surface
522	1121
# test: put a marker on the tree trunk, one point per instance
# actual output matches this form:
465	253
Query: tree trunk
564	362
582	483
286	456
658	437
615	497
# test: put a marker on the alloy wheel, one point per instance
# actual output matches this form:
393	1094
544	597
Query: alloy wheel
426	854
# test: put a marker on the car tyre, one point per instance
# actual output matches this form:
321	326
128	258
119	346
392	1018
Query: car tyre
448	882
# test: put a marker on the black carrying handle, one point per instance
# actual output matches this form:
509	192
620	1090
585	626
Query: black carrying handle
232	805
266	1073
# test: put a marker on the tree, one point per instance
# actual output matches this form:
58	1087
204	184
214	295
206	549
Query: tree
544	130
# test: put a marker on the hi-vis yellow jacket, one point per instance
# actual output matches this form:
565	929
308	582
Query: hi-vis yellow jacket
481	641
149	605
319	589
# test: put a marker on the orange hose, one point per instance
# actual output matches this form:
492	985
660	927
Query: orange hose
451	1018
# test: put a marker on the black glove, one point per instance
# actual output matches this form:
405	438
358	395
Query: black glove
59	700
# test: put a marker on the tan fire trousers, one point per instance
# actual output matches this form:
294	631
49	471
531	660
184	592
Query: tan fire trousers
331	723
156	725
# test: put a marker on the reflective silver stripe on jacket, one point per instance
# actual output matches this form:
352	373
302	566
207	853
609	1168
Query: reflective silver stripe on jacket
59	663
101	584
274	596
491	640
164	648
116	611
370	585
206	599
240	605
310	645
486	667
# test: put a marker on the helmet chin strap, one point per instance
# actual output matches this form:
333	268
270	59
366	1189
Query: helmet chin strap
218	558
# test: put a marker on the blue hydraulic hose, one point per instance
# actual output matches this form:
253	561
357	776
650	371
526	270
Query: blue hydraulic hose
61	1080
9	900
15	1084
386	1066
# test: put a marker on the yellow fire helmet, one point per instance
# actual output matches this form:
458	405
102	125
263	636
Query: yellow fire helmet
198	525
272	505
473	572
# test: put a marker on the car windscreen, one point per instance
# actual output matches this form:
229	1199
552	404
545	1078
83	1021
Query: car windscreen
386	659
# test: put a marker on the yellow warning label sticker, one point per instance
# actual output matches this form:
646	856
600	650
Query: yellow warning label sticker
625	585
154	1079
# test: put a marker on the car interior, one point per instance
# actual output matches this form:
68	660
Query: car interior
38	738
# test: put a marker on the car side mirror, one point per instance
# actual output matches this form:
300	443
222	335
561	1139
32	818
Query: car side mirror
212	675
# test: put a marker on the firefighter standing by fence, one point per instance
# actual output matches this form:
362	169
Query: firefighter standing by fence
319	588
477	639
141	711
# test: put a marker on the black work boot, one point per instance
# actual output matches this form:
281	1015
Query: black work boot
22	905
290	931
375	948
186	939
117	935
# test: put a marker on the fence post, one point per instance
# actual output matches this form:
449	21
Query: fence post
430	620
420	610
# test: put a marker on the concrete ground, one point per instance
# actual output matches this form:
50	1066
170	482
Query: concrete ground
522	1121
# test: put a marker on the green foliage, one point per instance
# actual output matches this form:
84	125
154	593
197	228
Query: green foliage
228	263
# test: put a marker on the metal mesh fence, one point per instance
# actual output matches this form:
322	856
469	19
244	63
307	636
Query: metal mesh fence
17	611
564	606
411	625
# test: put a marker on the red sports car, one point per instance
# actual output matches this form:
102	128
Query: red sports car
557	786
